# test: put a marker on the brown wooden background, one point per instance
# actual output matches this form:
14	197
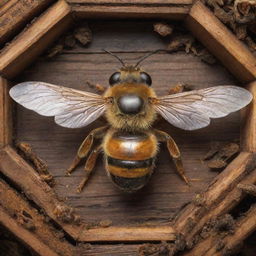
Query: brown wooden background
166	192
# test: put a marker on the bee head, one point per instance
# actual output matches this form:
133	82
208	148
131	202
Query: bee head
129	92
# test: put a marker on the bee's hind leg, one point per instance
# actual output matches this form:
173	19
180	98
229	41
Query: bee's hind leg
89	165
86	146
174	152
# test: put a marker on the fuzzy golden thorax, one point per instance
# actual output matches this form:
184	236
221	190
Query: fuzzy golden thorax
142	120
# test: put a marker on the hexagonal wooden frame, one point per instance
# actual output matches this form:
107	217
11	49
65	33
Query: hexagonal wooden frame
28	44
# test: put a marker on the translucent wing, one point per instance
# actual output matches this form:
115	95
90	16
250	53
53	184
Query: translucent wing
71	108
193	110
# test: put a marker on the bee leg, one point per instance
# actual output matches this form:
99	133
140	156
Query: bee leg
89	165
176	89
98	87
174	152
180	87
86	146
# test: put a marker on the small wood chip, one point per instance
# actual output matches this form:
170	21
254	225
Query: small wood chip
163	29
248	188
83	35
220	155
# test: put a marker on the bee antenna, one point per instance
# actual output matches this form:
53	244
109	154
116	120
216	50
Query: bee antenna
115	56
146	56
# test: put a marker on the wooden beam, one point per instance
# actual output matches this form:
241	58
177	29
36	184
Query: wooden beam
5	113
128	234
170	9
245	226
234	55
216	199
31	42
22	174
29	225
24	235
15	14
248	124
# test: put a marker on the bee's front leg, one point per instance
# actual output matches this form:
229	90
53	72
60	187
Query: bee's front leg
173	151
86	146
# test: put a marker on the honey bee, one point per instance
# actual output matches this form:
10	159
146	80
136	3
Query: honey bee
130	105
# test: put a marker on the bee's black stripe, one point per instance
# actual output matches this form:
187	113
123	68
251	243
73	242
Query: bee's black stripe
130	184
130	164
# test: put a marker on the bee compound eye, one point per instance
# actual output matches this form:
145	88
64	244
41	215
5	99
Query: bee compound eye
115	78
145	78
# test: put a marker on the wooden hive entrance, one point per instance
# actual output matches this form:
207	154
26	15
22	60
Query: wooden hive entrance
146	215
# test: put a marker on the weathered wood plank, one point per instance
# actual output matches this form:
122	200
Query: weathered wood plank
26	223
129	3
21	173
14	15
245	226
233	54
24	235
31	42
248	131
129	234
5	113
171	9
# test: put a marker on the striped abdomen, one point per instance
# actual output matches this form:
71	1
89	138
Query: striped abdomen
130	158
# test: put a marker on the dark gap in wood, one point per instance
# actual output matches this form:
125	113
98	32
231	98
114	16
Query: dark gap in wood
15	247
243	206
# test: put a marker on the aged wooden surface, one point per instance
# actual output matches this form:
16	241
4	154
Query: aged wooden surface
170	9
5	113
248	131
31	42
14	14
166	192
30	226
222	43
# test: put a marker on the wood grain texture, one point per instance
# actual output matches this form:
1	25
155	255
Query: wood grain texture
31	42
5	113
248	127
129	234
166	192
23	175
24	235
245	226
14	15
193	217
233	54
171	9
26	223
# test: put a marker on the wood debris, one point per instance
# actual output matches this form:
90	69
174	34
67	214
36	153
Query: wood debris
66	214
239	16
162	249
163	29
220	155
40	166
81	35
182	40
248	188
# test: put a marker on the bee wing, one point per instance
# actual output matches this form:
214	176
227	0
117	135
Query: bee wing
71	108
193	110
